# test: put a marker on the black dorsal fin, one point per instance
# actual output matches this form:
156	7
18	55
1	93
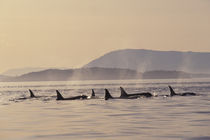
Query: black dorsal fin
172	93
123	93
107	95
93	93
59	96
31	94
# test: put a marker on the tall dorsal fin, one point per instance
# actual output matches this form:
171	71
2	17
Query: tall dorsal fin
59	96
107	95
172	93
93	93
31	94
123	93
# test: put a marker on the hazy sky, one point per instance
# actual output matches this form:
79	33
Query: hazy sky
70	33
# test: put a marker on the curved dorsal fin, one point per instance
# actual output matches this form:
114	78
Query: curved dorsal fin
93	93
59	96
172	93
31	94
107	95
123	93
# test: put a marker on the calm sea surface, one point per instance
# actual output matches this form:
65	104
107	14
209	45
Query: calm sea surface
157	118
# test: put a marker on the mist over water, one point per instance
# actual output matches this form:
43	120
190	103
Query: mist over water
154	118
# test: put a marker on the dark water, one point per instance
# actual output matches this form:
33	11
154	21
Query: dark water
160	117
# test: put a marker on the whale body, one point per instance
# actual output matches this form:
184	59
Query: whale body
172	93
32	94
93	95
124	94
109	96
60	97
25	97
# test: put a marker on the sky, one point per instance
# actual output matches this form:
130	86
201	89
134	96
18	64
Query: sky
71	33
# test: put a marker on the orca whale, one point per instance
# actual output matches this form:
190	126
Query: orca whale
32	94
124	94
60	97
109	96
93	95
172	93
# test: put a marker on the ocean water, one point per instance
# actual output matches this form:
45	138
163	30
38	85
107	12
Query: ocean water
156	118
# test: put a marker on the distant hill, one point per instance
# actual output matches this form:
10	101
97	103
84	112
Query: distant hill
148	60
3	78
98	74
125	64
21	71
160	74
166	75
78	74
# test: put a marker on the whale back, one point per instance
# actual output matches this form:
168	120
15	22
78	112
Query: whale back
172	93
107	95
188	94
31	94
123	93
59	96
93	93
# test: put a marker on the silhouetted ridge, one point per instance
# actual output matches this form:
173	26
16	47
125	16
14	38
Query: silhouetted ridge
165	74
149	60
78	74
